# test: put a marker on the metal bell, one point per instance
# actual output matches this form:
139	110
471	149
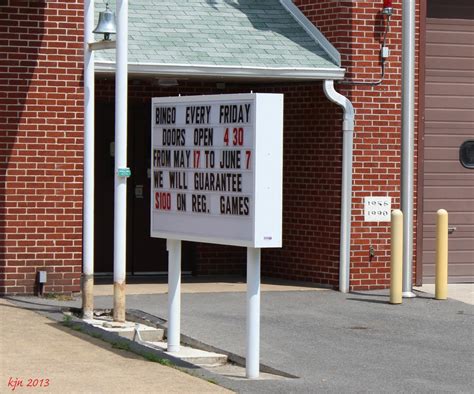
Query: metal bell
106	25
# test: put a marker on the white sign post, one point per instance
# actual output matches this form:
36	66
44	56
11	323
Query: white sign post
174	294
217	177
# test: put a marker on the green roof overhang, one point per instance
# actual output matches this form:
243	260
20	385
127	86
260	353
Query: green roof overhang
264	39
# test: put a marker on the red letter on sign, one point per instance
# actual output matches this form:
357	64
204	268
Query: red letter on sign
226	137
197	158
163	201
247	153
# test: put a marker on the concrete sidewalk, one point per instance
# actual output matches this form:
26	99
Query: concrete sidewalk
456	291
55	359
201	284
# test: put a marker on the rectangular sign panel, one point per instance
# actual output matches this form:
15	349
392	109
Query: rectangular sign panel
217	169
377	209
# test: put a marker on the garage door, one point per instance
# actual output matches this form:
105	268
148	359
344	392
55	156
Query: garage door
448	182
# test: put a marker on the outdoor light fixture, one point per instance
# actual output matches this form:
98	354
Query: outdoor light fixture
167	82
387	7
387	12
106	24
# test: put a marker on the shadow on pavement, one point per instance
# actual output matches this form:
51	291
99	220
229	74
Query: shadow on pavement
368	300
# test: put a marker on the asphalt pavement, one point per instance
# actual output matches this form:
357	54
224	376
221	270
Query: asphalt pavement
332	342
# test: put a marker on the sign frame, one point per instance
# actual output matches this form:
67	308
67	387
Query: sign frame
265	227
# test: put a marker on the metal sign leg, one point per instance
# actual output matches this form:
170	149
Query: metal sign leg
253	313
174	294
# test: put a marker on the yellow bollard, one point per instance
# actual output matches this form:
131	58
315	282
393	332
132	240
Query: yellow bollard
396	257
441	281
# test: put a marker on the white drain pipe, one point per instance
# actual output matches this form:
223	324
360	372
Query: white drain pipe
408	141
346	193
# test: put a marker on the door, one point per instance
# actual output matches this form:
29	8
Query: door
104	189
448	182
145	255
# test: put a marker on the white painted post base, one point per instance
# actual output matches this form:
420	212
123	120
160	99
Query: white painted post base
253	313
408	294
174	294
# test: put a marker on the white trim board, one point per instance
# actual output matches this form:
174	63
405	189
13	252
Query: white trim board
190	70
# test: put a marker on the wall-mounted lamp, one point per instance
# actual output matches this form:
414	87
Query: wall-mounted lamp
387	8
106	24
167	82
387	11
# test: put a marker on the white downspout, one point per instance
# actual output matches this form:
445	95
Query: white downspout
346	193
408	141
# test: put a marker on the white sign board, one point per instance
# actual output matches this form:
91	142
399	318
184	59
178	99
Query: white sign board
217	169
377	209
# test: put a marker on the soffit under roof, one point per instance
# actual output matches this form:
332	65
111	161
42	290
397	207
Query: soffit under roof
224	38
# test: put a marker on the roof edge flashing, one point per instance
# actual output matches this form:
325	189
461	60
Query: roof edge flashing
189	70
312	30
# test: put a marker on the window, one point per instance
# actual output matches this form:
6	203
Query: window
466	154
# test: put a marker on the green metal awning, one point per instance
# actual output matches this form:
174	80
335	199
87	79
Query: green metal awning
224	38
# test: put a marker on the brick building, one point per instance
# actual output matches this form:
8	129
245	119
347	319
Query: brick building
41	107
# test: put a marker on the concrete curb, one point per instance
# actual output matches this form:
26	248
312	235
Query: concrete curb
139	316
77	324
144	351
148	352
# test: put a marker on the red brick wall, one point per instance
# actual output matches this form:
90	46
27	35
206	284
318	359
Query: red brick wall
311	188
355	28
41	149
41	144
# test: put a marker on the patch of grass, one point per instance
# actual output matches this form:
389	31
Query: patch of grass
58	297
212	381
121	346
67	320
96	335
155	359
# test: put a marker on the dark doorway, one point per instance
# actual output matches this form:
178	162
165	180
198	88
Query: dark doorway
145	255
